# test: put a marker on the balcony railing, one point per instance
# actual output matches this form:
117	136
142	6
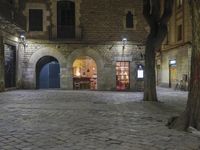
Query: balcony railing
11	14
66	32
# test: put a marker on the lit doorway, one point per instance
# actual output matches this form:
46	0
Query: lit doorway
123	75
84	73
172	73
47	73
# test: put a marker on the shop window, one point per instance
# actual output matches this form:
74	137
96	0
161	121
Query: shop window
180	32
35	20
172	73
129	20
84	73
140	72
123	75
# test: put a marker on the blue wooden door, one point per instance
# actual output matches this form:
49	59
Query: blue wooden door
54	75
50	76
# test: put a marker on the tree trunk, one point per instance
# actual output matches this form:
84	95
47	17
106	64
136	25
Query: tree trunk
158	30
191	116
149	78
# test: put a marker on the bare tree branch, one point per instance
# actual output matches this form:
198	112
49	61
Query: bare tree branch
162	28
147	10
158	31
168	7
155	9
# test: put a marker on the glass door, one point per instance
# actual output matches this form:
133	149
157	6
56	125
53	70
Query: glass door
123	75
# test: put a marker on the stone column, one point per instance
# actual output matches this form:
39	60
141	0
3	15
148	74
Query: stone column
20	54
2	81
66	78
107	78
133	76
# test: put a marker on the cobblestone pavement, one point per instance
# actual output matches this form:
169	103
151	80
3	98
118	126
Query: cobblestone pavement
86	120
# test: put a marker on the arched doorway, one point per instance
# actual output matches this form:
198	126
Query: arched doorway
47	73
84	73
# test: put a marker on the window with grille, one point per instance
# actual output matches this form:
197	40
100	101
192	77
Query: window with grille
129	20
35	20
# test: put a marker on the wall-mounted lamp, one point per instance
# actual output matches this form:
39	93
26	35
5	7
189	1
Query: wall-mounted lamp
22	37
124	41
22	40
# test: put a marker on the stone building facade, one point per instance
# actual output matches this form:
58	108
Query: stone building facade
89	28
66	33
12	24
174	59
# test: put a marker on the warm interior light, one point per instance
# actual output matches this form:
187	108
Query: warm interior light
78	74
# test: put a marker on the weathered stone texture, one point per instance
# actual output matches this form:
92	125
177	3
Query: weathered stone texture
99	31
105	57
95	20
104	20
177	50
1	64
181	55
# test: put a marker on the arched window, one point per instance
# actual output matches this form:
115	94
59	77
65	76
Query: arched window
129	20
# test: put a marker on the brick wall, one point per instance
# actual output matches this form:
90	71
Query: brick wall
98	21
104	20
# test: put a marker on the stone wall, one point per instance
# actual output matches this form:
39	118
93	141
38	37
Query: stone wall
104	55
96	21
100	27
104	20
182	56
12	40
1	64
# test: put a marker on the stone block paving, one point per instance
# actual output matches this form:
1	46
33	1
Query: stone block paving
91	120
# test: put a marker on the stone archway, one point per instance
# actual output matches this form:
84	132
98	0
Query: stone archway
30	72
85	52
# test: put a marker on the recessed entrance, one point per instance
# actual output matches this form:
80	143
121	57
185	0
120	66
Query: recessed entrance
10	66
47	73
123	75
84	73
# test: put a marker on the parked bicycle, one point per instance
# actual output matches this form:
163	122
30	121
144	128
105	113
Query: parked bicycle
181	85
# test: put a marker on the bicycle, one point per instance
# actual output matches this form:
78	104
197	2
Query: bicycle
181	85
